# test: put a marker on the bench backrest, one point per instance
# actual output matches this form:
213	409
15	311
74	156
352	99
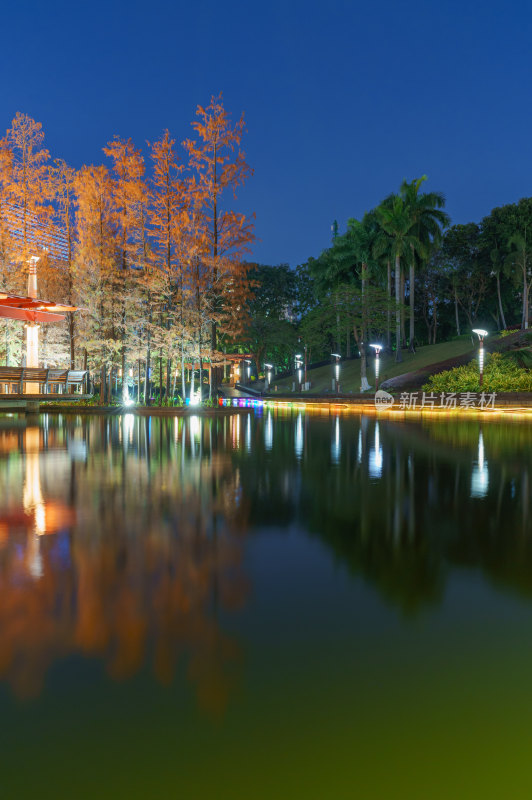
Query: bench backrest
35	374
57	375
76	376
10	374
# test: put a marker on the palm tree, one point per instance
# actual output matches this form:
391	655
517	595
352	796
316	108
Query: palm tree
519	258
428	219
362	237
396	219
498	264
383	255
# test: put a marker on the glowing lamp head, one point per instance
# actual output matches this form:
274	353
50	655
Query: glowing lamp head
480	333
336	355
377	348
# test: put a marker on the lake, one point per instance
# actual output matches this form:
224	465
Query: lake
265	605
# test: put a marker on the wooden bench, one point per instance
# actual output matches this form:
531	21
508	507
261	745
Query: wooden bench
12	379
65	379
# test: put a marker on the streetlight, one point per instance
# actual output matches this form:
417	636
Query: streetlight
338	358
305	347
377	348
299	364
268	368
248	362
481	336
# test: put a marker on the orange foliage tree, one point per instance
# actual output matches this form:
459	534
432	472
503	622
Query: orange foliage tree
225	235
156	262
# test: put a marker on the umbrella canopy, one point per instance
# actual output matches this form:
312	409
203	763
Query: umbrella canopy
32	309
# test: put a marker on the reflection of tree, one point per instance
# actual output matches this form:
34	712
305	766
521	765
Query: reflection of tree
144	569
395	503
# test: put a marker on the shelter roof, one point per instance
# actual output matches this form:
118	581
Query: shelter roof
32	309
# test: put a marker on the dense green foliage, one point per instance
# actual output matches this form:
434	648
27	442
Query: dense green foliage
502	373
401	277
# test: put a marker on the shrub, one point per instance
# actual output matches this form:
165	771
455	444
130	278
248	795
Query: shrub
501	374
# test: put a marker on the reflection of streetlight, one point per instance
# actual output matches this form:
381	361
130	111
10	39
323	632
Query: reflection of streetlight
377	348
338	358
268	431
335	443
375	456
480	473
298	442
481	335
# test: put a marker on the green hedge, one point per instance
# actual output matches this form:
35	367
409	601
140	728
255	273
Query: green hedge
501	374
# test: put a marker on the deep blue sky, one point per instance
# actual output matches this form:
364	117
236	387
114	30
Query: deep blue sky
342	99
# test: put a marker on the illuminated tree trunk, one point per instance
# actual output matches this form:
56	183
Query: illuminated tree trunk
398	355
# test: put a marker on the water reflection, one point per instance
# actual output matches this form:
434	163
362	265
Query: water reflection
123	539
298	440
268	430
336	447
145	553
480	475
375	455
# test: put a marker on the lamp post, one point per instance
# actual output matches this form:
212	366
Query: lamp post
268	368
481	336
299	364
377	348
32	328
248	368
338	358
305	349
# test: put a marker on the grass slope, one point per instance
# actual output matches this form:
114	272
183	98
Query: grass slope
350	372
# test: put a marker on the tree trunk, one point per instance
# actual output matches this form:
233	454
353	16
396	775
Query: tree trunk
398	355
71	336
103	373
110	387
525	301
338	337
412	320
160	376
192	381
403	310
148	354
364	385
389	311
500	301
456	312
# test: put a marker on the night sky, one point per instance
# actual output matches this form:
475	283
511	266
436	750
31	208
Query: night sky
342	99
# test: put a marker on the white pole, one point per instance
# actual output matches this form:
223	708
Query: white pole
32	328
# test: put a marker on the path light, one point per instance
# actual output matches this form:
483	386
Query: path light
248	362
299	365
338	358
481	336
268	368
377	348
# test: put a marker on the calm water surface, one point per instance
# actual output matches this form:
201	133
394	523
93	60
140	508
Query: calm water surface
274	606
